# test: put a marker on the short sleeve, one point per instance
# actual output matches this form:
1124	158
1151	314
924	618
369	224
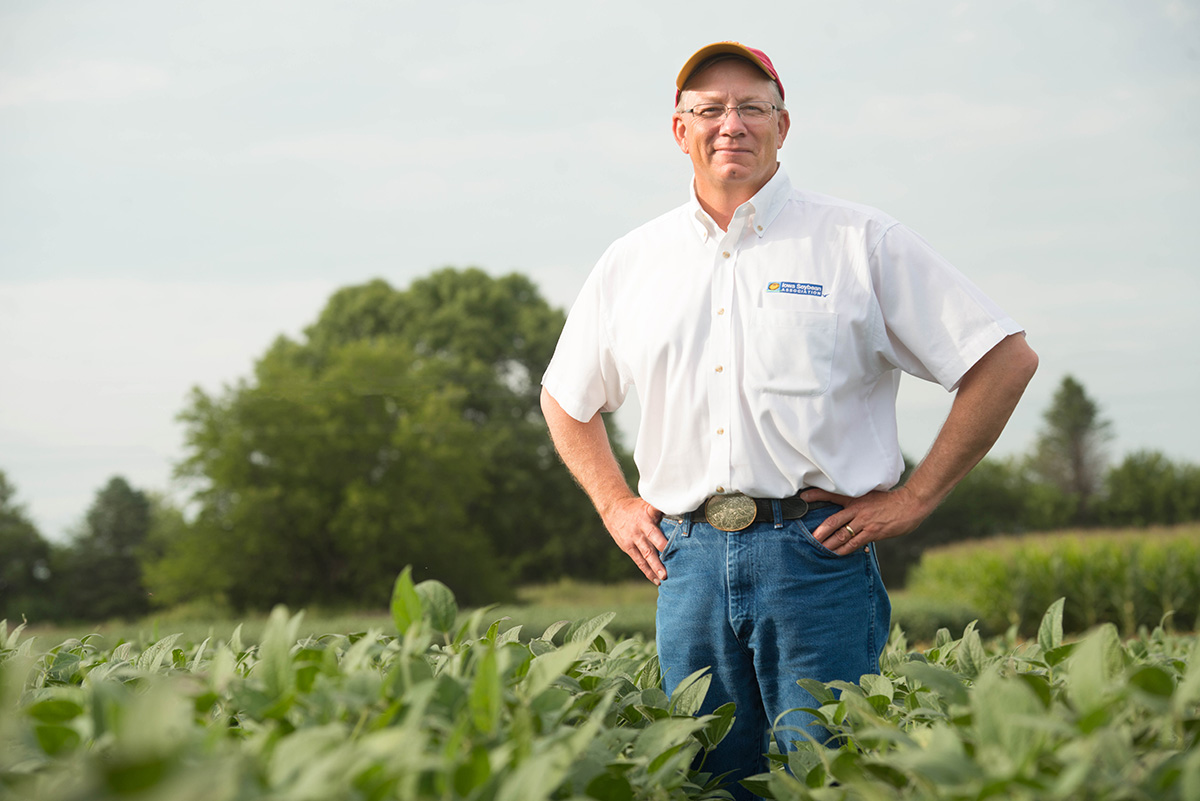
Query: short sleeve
936	323
584	376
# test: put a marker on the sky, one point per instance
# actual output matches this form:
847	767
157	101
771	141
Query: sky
182	183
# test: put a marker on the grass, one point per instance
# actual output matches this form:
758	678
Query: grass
537	607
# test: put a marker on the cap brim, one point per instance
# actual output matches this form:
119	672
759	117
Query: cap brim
704	53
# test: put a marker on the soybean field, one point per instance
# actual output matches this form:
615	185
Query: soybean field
447	705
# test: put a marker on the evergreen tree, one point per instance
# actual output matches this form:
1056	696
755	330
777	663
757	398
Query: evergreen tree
1071	449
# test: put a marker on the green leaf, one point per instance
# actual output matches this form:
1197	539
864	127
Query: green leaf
554	628
610	787
406	603
55	710
817	690
1093	666
536	778
970	656
544	669
1153	680
717	726
55	739
438	604
662	735
586	631
945	683
874	684
940	758
649	675
486	695
472	772
688	695
151	659
1050	633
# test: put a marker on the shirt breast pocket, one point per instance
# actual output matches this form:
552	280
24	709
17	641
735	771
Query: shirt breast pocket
790	352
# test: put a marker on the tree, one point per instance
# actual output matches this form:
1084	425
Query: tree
1071	449
24	561
404	428
1147	488
99	573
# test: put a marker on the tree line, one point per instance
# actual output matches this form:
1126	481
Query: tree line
403	428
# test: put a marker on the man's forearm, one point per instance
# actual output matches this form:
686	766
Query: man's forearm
986	397
586	451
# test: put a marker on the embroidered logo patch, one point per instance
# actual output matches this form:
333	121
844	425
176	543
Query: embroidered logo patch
793	288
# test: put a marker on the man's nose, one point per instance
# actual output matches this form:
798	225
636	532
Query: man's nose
733	125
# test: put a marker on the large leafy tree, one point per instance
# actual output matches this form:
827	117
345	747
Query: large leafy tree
1071	449
403	428
98	575
24	560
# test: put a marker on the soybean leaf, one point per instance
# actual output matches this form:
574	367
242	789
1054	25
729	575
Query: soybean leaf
664	734
717	726
1093	667
55	710
553	629
544	669
1188	692
970	656
1050	633
689	694
151	659
610	787
650	674
486	696
56	739
406	603
586	631
537	777
944	682
439	606
1153	680
817	690
512	634
874	684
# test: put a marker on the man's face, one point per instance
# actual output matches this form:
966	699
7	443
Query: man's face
729	153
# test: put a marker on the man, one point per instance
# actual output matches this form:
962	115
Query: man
764	329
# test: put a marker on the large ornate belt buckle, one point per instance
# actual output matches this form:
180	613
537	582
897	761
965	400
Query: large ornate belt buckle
730	512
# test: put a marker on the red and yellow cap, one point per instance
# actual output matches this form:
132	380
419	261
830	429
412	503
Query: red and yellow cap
753	55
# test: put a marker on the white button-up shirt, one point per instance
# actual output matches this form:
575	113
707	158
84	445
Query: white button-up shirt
767	357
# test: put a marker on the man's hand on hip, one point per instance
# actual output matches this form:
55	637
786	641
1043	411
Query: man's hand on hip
875	516
633	523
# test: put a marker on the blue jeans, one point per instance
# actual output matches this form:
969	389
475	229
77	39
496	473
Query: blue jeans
763	607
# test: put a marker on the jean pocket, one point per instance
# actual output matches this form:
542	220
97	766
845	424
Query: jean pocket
672	529
821	549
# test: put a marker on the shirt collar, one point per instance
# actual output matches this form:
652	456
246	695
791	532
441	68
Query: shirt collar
762	209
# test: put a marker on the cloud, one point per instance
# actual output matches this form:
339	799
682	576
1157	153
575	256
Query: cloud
82	81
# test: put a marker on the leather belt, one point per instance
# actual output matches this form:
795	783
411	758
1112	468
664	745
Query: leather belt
735	511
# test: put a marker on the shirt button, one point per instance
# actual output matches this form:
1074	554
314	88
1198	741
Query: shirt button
720	311
720	368
720	489
720	431
726	254
760	227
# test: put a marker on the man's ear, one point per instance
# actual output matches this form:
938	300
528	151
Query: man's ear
679	129
785	125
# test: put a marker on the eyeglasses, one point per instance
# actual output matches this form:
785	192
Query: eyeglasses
748	112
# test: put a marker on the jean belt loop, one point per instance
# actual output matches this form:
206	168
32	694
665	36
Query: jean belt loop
687	524
777	512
